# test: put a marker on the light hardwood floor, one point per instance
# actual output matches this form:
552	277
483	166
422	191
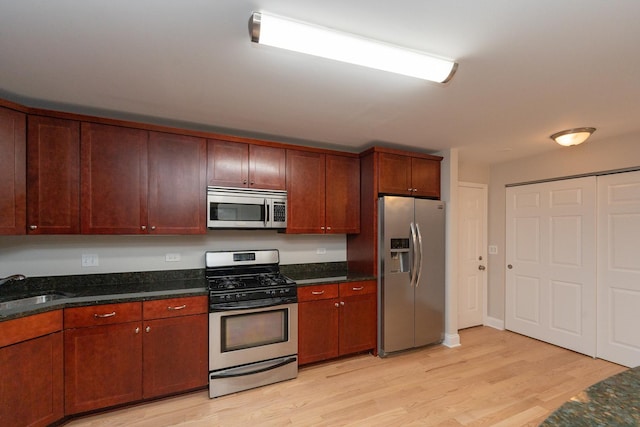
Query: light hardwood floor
496	378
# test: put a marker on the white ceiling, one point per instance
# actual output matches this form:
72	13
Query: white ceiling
527	69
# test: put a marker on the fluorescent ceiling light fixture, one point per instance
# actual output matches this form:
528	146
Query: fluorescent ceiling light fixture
572	136
319	41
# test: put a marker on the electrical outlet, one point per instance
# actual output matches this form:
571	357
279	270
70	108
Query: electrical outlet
172	257
90	260
321	251
493	250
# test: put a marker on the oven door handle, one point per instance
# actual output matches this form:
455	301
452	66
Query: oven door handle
218	307
284	362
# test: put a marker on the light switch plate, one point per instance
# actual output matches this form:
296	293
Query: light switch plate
493	250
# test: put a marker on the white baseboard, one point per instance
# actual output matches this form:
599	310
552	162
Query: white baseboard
451	340
494	323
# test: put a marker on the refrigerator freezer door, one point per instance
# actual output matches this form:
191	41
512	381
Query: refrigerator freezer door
396	316
429	291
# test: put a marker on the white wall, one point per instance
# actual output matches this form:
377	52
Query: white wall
61	255
592	156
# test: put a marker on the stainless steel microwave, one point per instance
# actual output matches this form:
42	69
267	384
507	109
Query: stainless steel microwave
246	208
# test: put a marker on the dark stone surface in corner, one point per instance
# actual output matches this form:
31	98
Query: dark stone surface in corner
613	402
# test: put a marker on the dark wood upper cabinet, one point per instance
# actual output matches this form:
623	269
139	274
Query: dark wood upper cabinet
177	184
114	179
409	176
12	172
425	177
305	192
342	194
267	167
53	176
234	164
323	193
395	174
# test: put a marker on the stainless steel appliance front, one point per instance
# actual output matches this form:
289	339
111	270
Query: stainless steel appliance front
252	347
410	273
246	208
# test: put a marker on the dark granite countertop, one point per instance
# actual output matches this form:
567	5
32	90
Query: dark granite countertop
613	402
83	290
321	273
92	289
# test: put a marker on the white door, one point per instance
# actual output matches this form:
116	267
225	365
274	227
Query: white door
472	246
551	262
619	268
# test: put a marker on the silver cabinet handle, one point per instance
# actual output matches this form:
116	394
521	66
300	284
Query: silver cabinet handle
33	227
137	330
180	307
336	304
328	228
143	227
342	303
147	329
153	227
358	288
317	292
509	266
482	268
102	316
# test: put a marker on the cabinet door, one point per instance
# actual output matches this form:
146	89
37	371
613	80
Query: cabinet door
267	167
103	366
175	355
53	176
113	179
342	194
317	330
177	184
306	192
357	323
394	174
12	172
31	389
228	163
425	177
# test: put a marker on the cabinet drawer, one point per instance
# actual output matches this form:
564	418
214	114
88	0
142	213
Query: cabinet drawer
318	292
358	288
105	314
26	328
173	307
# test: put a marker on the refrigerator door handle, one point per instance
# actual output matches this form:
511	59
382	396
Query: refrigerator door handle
414	257
419	264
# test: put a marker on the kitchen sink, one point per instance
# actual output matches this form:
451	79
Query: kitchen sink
33	300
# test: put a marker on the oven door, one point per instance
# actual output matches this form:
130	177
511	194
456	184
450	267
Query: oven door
240	337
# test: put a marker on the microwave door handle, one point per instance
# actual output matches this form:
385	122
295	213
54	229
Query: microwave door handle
266	213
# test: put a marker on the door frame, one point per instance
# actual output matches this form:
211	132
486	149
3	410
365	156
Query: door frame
485	235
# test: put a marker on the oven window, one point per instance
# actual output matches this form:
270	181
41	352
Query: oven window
254	329
236	212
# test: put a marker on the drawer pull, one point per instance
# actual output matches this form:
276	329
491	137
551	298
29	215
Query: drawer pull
102	316
358	288
180	307
317	292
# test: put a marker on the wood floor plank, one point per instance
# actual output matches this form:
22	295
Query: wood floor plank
496	378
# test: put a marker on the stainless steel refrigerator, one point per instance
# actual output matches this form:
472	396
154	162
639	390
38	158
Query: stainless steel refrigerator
411	239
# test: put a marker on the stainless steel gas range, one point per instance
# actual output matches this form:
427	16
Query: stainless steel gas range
253	321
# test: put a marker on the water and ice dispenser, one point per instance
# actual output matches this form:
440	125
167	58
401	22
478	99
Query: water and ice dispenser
399	256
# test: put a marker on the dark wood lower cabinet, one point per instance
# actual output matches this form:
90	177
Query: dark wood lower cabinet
102	366
336	320
175	355
31	385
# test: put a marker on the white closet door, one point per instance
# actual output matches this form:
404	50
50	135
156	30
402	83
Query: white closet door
619	268
551	262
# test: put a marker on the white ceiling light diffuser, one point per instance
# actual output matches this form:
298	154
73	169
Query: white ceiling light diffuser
572	136
319	41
